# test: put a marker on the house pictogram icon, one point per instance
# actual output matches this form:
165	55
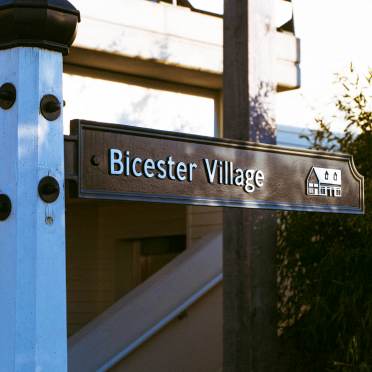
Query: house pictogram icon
324	182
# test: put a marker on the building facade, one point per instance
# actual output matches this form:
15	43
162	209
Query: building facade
144	280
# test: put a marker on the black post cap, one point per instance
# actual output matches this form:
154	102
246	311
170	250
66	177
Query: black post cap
49	24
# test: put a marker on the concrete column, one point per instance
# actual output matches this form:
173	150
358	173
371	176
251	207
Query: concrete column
33	333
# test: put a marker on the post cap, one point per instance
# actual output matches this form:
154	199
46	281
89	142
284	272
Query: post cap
49	24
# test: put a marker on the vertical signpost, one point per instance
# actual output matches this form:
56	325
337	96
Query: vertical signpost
34	35
249	235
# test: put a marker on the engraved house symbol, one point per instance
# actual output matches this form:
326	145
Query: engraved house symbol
324	182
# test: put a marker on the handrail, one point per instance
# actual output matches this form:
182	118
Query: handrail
161	324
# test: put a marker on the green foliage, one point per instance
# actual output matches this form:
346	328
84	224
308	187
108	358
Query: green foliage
325	260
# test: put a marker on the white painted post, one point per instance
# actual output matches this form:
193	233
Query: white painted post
33	333
32	241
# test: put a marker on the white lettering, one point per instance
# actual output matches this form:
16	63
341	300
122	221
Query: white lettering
210	173
259	178
181	169
216	171
249	175
134	167
191	167
162	175
239	179
116	164
148	165
170	164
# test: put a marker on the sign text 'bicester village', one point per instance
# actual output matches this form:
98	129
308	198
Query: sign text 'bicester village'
216	171
128	163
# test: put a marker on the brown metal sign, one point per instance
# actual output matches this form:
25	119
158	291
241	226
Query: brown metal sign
128	163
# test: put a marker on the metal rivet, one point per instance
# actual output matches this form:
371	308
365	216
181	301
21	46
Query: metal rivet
95	160
5	207
8	95
49	220
49	189
50	107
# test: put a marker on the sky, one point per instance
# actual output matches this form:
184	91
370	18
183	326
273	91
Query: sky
333	34
214	6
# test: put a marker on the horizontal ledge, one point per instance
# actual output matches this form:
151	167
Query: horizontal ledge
98	64
141	68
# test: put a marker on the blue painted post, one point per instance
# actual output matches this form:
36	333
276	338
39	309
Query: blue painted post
33	333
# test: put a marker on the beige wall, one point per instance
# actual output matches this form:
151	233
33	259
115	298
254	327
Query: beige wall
148	308
191	343
202	221
94	234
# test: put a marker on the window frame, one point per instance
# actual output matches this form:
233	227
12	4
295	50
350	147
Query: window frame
145	82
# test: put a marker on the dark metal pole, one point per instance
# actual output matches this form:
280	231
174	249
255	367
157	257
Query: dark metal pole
249	235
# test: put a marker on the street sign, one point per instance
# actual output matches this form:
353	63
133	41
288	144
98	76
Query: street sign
128	163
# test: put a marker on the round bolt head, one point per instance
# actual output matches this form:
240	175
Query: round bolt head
95	160
50	107
8	95
5	207
49	189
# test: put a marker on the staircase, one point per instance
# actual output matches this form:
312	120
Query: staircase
170	323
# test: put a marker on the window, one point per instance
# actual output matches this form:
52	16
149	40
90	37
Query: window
138	259
119	102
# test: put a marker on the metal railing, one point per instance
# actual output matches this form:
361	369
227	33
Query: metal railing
187	4
135	344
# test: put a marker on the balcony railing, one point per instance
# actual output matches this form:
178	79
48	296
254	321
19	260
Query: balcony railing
187	4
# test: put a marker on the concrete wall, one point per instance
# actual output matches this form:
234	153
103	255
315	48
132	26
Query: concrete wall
147	30
165	42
